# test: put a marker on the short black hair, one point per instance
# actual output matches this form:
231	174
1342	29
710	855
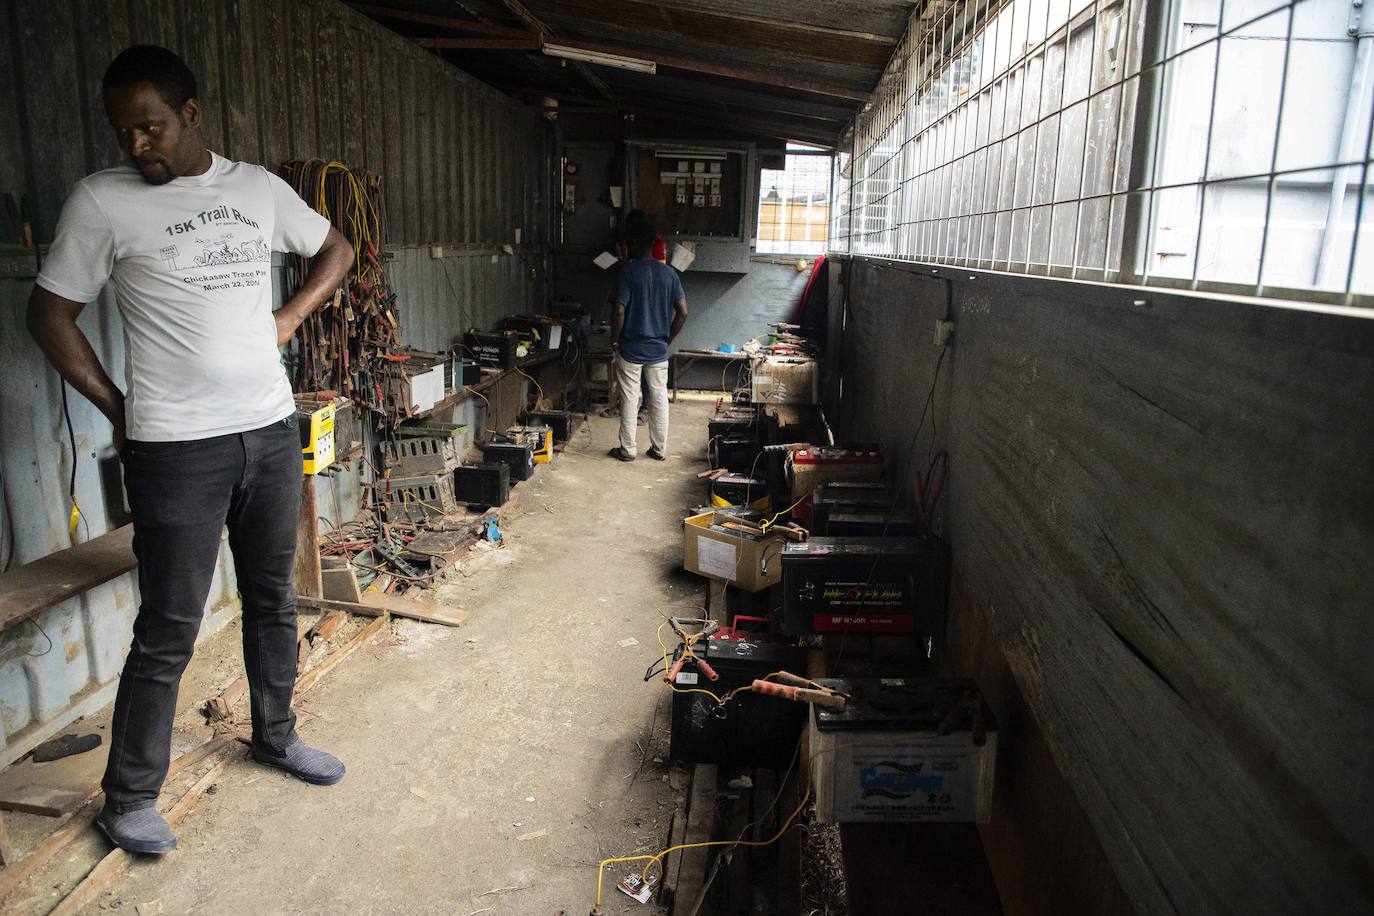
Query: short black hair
641	237
168	73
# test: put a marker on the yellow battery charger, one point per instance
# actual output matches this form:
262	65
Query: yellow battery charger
317	439
539	438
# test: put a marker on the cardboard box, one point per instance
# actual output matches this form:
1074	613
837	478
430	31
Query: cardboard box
785	380
748	564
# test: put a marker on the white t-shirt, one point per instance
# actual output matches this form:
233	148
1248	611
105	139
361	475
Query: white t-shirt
191	263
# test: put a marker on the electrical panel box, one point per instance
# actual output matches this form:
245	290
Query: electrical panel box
701	194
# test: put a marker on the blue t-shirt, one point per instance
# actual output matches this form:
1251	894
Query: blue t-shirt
649	290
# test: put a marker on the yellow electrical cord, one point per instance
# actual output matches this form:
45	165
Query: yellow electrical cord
658	857
537	386
768	522
472	390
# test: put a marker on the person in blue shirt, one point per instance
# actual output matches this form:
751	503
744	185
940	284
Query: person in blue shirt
650	310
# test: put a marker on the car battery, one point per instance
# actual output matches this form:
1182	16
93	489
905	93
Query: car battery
903	750
737	490
560	421
471	372
538	438
493	348
810	467
735	453
875	586
751	730
482	484
518	456
846	522
843	495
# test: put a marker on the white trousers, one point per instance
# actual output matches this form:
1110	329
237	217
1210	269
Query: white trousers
627	380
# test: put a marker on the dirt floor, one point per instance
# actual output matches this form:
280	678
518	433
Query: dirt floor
490	767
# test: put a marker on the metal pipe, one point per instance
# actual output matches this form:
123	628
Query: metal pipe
1356	104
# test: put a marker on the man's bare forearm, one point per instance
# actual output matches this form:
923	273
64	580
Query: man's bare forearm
679	320
327	270
52	322
617	324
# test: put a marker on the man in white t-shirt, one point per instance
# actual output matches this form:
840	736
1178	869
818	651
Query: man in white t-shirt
206	424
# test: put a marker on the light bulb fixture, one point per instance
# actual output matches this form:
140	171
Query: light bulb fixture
597	57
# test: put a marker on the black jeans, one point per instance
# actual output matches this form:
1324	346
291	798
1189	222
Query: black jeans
182	495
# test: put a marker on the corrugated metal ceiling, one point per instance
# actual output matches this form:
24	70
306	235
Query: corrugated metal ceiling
789	69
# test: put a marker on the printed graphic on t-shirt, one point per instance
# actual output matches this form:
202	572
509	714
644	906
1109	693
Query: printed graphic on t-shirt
203	242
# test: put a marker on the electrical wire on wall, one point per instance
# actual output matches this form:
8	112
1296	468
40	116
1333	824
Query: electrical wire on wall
348	346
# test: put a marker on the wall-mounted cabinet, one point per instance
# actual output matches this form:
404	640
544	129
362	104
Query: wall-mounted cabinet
702	193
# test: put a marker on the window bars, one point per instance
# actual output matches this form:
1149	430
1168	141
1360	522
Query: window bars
794	205
1029	137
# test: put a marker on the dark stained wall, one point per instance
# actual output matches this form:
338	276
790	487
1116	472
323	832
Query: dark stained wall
1162	513
279	80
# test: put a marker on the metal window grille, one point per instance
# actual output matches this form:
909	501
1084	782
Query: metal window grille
1030	137
794	205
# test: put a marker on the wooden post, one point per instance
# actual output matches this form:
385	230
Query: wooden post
308	576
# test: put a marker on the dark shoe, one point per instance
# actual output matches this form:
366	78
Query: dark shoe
639	420
303	762
620	453
656	454
143	830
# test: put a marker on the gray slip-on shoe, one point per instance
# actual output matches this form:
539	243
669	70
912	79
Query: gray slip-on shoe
303	762
143	830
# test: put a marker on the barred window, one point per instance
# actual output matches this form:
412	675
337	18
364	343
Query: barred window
794	204
1029	137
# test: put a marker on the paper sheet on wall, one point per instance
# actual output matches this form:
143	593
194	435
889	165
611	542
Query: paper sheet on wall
716	558
605	260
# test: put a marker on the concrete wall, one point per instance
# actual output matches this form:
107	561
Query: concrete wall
1160	508
463	167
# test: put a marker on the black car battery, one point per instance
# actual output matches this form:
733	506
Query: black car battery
517	456
845	495
481	484
472	372
493	348
846	522
736	490
752	729
739	454
560	421
876	586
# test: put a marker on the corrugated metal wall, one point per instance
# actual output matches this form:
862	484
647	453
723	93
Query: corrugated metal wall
463	167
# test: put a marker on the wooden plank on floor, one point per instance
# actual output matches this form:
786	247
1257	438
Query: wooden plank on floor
14	875
111	868
377	603
361	638
52	789
701	822
37	586
672	863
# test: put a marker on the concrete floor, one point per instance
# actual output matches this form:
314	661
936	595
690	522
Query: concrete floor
490	766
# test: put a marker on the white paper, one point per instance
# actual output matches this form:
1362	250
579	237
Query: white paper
684	253
716	558
605	260
555	336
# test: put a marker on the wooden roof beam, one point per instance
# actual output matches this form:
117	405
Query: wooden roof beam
443	22
762	77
